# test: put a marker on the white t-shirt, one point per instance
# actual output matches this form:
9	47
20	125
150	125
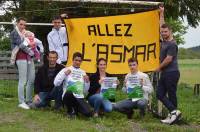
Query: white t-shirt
135	80
73	82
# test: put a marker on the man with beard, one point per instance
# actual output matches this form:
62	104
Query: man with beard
170	74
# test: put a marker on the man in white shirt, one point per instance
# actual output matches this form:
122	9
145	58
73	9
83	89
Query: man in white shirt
57	40
74	79
138	87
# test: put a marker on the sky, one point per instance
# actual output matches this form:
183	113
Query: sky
192	37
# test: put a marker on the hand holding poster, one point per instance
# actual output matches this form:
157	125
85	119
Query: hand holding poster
134	88
108	87
75	82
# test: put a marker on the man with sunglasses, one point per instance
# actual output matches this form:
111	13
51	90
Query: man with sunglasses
138	87
57	40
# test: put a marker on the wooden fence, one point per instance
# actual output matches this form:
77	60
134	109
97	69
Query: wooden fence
8	71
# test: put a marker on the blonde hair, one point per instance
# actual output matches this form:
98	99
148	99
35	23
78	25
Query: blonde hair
29	34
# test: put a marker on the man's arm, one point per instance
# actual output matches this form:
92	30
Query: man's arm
37	82
171	52
39	44
60	77
165	62
162	19
37	86
50	42
147	85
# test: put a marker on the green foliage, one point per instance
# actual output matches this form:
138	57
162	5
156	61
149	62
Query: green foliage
178	29
188	54
183	8
4	43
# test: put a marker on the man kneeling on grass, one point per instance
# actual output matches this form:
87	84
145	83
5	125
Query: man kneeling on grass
74	80
138	87
45	91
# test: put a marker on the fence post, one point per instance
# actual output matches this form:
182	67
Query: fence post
196	89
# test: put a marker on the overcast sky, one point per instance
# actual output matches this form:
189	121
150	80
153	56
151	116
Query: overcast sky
192	37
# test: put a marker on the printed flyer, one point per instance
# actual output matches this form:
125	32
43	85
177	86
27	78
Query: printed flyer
108	87
134	88
75	82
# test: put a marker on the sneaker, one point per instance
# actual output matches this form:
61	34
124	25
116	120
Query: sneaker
166	119
24	106
95	114
173	117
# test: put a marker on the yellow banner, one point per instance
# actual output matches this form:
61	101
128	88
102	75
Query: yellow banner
116	38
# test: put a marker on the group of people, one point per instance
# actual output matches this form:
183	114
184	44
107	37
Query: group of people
54	81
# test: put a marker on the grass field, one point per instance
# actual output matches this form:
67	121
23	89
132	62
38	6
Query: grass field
13	119
190	71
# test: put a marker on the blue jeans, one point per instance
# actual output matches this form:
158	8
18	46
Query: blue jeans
127	105
46	97
167	85
97	101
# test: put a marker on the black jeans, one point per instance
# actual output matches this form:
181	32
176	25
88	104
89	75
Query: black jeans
167	85
78	104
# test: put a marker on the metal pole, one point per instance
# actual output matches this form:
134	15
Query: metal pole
111	2
31	24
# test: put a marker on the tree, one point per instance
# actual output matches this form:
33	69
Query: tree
41	11
189	9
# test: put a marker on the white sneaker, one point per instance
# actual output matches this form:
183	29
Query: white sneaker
172	117
24	106
175	116
166	119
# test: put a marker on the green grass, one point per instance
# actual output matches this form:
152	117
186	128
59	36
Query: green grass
13	119
190	71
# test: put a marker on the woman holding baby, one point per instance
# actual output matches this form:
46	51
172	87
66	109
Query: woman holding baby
24	48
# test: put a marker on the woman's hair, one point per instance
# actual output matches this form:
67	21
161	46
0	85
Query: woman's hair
101	59
98	61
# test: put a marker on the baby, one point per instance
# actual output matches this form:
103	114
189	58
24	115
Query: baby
30	42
